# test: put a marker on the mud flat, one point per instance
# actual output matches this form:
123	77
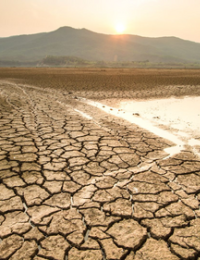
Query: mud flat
80	183
175	119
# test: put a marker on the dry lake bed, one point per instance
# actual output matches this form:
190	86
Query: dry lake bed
99	164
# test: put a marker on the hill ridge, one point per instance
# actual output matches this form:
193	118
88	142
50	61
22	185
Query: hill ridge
89	45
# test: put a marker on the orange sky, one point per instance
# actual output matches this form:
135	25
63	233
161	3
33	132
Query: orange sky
152	18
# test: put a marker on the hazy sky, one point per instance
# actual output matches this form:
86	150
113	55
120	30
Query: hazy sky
152	18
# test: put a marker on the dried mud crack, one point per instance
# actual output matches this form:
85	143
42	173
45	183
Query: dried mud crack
77	183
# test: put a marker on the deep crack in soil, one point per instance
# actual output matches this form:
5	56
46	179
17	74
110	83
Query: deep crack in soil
74	187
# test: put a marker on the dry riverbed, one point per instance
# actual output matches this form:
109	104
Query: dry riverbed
80	183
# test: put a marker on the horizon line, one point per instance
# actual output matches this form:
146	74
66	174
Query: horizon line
109	34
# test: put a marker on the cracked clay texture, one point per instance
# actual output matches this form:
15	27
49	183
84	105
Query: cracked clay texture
96	188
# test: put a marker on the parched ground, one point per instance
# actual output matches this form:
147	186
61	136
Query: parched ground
110	83
76	183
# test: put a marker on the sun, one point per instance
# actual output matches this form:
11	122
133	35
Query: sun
120	28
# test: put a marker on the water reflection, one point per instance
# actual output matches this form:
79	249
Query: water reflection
177	120
180	114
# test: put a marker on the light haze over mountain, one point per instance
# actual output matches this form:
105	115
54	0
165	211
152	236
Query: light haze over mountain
67	41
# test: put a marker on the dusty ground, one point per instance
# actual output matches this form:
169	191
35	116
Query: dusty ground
76	187
111	83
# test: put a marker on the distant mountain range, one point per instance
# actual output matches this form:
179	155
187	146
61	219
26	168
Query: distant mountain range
88	45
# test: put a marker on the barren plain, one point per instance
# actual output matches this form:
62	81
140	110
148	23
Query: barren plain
79	183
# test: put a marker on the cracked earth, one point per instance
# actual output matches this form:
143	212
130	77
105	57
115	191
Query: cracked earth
90	187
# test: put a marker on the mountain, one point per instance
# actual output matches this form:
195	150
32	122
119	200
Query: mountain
88	45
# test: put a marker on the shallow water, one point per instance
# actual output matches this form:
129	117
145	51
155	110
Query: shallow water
177	120
181	114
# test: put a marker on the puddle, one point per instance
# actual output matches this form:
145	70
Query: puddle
180	114
177	120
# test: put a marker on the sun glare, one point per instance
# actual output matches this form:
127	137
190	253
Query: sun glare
119	28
